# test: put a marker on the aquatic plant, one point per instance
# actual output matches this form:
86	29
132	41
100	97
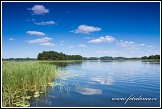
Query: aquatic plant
21	78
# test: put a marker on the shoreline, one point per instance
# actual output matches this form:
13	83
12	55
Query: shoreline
114	60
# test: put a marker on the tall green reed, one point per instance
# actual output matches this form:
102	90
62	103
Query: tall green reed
20	78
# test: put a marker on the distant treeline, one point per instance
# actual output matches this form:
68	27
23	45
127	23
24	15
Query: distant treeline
20	59
109	58
151	57
122	58
52	55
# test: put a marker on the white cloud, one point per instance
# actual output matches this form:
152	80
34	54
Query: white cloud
142	44
47	44
46	23
86	29
108	39
70	47
11	39
126	43
130	46
82	45
61	44
39	10
36	33
41	40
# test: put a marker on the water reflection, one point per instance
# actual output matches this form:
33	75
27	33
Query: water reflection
65	64
103	80
97	82
88	91
34	101
147	62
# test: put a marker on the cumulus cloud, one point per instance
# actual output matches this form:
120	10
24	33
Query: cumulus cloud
47	44
82	45
108	39
39	10
46	23
36	33
11	39
130	45
40	40
126	43
86	29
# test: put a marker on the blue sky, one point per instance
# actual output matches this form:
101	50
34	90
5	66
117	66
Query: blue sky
88	29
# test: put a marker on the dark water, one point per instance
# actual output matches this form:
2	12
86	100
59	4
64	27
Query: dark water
98	82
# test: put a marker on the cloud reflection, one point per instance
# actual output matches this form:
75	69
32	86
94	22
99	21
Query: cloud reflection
103	80
88	91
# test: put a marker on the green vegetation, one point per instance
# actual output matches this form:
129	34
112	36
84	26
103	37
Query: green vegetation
110	58
52	55
151	57
91	58
18	59
20	79
106	58
55	56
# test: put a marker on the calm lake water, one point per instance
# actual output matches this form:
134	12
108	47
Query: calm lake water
98	82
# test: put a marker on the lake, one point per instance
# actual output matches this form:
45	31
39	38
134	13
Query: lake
105	84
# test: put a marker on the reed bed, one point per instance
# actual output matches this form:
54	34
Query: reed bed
20	79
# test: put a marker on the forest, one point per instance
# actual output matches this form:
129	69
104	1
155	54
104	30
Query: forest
151	57
52	55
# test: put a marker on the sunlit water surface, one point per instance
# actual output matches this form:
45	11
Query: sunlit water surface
98	82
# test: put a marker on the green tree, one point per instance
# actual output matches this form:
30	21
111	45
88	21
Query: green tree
52	55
